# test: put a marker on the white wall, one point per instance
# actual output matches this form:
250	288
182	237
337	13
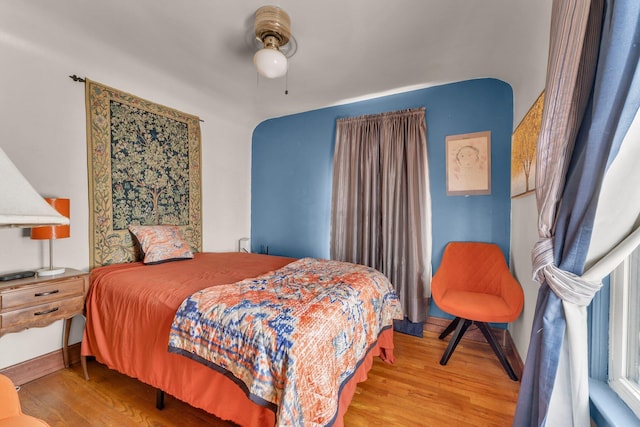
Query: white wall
42	129
524	216
524	235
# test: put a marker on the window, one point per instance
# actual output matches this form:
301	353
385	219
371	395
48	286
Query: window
624	332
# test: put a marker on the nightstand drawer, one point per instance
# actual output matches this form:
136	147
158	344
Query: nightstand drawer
42	314
36	295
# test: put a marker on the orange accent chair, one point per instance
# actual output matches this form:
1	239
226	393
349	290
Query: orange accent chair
474	284
10	410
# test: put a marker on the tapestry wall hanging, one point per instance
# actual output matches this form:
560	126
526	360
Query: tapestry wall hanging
144	166
523	150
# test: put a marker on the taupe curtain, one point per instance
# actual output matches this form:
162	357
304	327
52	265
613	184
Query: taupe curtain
381	208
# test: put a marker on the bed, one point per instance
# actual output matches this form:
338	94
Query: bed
144	167
134	326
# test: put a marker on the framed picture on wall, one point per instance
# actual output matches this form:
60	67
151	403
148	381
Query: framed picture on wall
468	164
524	151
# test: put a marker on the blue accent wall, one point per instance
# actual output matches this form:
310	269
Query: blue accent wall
291	169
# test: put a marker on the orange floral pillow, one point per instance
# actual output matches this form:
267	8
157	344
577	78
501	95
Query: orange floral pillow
161	243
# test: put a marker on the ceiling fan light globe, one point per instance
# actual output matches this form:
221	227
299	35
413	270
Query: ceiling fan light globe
270	63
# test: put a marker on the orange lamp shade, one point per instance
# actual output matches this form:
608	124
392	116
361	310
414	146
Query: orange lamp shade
54	231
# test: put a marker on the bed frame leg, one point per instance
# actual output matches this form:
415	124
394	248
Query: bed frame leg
159	399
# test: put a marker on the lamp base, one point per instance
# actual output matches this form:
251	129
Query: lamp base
50	271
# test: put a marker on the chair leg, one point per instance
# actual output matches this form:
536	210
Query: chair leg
449	328
455	339
484	327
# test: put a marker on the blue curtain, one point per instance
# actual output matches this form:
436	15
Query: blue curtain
613	102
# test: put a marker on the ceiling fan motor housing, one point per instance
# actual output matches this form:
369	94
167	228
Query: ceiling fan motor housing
272	26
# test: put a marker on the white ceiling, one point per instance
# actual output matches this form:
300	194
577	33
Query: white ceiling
347	49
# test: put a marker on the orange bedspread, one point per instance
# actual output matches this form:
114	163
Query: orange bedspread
130	308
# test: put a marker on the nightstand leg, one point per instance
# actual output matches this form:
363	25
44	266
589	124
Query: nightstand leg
83	361
65	342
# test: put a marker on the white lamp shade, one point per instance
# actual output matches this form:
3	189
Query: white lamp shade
271	63
20	204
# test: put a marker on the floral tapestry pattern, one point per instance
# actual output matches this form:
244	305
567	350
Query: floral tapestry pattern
144	169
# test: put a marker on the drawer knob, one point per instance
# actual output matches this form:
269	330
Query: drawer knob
42	313
44	294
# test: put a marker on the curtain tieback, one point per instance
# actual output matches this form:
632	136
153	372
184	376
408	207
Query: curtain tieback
566	285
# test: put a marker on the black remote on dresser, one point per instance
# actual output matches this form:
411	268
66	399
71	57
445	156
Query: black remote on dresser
16	275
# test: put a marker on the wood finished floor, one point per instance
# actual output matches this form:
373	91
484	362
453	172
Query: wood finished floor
472	390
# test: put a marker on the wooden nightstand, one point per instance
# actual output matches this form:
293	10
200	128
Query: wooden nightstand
40	301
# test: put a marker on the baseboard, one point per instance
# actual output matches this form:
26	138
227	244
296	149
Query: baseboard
40	366
438	324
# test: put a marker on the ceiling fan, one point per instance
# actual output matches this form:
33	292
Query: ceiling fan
273	37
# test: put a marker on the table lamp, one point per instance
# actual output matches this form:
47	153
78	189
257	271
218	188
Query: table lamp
53	232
